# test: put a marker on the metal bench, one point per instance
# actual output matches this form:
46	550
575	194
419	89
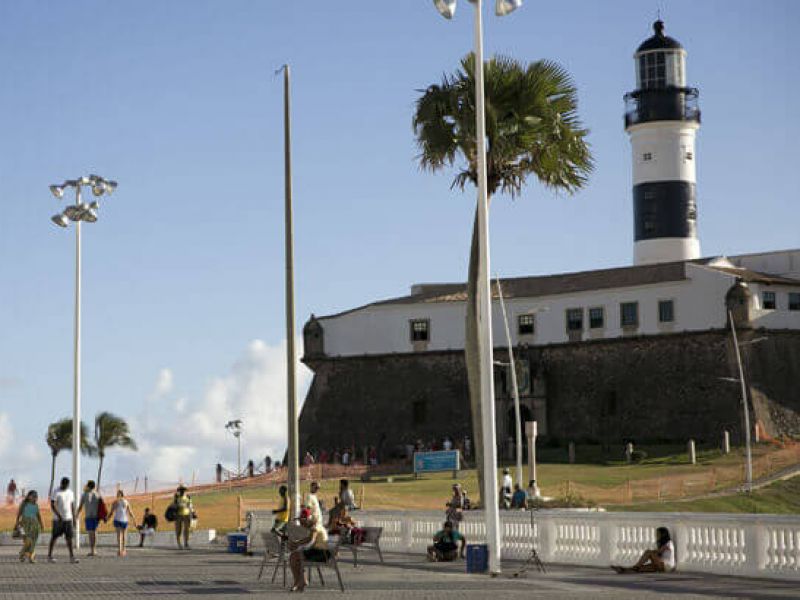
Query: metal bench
275	548
371	541
330	562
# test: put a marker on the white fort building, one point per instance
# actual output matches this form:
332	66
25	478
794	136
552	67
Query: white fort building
625	353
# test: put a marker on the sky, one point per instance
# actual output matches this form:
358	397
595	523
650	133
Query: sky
183	297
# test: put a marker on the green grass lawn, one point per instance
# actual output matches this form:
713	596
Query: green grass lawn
781	497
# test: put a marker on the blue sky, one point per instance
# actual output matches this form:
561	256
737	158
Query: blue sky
178	101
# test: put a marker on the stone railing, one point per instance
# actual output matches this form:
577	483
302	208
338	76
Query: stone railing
745	545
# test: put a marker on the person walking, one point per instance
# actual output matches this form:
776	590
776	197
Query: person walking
183	516
455	506
282	513
62	504
90	502
11	492
346	495
30	520
121	510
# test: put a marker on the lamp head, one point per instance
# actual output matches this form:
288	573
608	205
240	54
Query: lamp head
73	212
446	8
57	191
89	215
94	205
504	7
110	187
60	219
98	189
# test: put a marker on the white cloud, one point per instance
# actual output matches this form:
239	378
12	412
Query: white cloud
164	383
6	434
182	437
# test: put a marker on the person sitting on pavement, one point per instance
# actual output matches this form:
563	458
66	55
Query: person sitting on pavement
313	547
520	497
533	490
654	561
148	526
445	546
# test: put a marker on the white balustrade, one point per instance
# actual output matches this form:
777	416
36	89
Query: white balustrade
751	545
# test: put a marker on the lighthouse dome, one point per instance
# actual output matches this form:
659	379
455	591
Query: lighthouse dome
659	41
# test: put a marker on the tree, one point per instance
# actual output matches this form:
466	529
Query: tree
532	128
59	437
110	430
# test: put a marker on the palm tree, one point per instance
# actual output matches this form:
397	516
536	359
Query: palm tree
59	437
110	430
532	128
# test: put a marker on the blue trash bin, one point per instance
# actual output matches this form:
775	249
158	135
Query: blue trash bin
237	543
477	558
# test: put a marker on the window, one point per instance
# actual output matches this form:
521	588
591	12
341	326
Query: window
666	311
596	317
768	300
419	410
629	314
647	156
420	330
574	319
689	155
794	300
652	70
525	324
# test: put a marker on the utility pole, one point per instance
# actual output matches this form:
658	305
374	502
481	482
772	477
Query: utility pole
291	358
748	485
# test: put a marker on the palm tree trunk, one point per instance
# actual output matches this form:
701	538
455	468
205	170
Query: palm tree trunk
99	472
472	357
52	475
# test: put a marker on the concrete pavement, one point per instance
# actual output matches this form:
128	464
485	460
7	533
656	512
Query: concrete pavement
210	572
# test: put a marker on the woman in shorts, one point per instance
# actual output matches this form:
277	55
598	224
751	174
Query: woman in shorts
121	510
660	560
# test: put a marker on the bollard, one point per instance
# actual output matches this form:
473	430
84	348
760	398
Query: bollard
571	450
692	453
726	442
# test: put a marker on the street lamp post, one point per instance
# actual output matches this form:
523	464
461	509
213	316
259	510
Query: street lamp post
235	427
77	213
484	292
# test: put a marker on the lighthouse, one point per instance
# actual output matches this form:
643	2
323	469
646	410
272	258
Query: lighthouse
662	117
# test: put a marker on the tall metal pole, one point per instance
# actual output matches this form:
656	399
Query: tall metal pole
239	454
485	349
748	484
291	359
514	387
76	398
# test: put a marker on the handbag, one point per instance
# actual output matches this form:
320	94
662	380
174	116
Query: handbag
172	512
102	510
18	532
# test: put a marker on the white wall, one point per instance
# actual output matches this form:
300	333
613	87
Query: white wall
699	304
667	142
783	262
780	317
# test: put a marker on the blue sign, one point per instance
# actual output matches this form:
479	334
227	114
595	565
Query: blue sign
430	462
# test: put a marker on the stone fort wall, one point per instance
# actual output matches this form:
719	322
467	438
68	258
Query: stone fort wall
646	389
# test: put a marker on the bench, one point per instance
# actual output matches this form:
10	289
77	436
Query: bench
371	541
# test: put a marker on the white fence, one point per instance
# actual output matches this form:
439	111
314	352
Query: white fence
745	545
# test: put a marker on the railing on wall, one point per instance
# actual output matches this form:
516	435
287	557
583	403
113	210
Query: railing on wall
746	545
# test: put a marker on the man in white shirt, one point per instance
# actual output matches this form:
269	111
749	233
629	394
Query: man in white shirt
346	495
312	503
63	506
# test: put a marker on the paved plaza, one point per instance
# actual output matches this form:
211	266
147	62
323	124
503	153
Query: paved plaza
210	572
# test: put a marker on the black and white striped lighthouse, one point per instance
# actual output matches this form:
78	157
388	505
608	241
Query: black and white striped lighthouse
662	118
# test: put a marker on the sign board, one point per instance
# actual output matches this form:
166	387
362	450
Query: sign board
431	462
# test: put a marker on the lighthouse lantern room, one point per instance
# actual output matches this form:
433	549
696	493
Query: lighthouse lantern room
662	117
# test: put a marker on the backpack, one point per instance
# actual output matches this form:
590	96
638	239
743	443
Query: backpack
102	510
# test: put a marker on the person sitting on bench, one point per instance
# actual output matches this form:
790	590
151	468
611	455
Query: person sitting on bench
446	544
654	561
313	547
